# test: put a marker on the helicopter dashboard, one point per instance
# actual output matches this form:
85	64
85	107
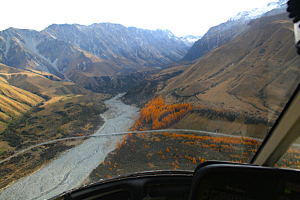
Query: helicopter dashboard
210	181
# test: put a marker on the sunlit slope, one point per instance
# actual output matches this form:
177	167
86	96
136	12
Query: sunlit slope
21	90
14	102
251	73
73	115
42	84
37	106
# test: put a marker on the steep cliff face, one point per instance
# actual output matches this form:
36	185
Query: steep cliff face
128	47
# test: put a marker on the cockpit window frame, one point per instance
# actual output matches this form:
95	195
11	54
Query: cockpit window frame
282	135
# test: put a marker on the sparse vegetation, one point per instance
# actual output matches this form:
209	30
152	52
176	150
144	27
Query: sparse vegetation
291	159
155	151
30	161
225	121
181	151
172	151
75	115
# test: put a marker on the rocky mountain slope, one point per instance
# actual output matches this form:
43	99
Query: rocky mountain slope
32	50
218	35
250	73
128	47
100	57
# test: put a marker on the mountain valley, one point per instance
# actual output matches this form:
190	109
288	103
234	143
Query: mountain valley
232	82
244	61
245	75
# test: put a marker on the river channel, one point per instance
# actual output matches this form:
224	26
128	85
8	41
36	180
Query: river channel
72	168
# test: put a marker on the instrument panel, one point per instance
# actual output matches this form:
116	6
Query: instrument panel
244	182
210	181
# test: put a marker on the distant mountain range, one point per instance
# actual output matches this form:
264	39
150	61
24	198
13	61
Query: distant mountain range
245	64
96	56
110	57
113	58
117	43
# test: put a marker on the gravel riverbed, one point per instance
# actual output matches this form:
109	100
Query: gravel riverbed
72	168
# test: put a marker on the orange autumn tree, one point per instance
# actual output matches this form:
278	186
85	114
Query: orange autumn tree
158	115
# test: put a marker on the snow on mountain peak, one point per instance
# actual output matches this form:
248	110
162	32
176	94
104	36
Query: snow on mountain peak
190	39
258	12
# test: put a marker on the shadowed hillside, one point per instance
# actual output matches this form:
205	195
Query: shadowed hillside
214	38
153	84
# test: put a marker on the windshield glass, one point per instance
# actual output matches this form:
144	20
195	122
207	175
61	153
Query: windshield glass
85	103
291	157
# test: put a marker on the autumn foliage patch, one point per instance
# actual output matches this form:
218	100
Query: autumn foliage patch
158	115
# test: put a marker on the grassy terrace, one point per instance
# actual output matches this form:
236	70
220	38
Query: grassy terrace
68	116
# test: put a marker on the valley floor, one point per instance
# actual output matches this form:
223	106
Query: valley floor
71	169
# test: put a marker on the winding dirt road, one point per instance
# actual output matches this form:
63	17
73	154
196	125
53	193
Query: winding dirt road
73	167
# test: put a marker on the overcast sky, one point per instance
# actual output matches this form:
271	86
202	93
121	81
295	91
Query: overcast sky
187	17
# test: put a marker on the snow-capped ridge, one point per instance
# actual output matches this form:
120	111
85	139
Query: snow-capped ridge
190	39
258	12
